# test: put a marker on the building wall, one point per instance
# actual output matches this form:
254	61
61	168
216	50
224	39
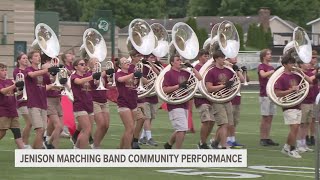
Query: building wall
278	27
316	29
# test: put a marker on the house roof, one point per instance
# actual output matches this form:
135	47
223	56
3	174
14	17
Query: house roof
207	22
290	24
313	21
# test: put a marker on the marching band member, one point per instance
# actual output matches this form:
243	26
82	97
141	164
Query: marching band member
236	101
54	111
307	113
67	59
140	116
127	100
268	108
100	104
287	83
314	66
37	97
22	64
174	79
82	105
217	78
8	109
204	107
150	104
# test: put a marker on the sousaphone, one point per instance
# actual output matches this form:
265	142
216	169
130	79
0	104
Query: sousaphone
300	49
186	44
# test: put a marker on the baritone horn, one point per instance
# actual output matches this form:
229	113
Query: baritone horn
224	37
299	48
20	77
184	43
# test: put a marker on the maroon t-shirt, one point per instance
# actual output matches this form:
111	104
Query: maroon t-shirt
82	95
99	96
8	103
236	100
172	78
199	101
36	90
310	99
285	82
152	99
127	92
52	93
263	81
314	86
15	72
218	76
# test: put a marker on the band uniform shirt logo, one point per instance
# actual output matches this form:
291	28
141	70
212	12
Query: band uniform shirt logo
40	81
10	93
222	78
86	87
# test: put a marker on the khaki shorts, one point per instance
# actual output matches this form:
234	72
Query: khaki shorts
223	113
23	110
9	122
139	114
100	107
306	113
267	107
38	118
292	116
81	113
150	110
206	112
54	107
236	114
179	119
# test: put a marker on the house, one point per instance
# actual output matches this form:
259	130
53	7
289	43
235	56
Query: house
281	29
315	30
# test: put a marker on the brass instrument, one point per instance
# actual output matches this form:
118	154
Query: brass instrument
186	44
224	36
298	48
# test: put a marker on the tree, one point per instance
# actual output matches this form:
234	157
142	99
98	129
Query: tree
124	10
69	10
203	7
240	32
201	33
176	8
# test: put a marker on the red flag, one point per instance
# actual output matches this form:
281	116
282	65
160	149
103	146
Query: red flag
68	118
190	121
112	94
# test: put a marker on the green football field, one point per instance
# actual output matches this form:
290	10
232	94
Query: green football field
263	162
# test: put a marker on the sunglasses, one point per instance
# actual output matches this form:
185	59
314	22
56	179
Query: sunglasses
82	64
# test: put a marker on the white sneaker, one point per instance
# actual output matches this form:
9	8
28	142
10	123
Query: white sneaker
64	134
301	149
285	149
27	146
308	149
294	154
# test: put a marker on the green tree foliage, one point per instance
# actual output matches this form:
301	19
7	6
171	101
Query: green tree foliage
203	7
176	8
201	33
258	38
69	10
124	11
240	32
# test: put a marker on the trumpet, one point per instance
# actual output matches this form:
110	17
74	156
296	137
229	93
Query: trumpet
111	78
98	69
20	77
